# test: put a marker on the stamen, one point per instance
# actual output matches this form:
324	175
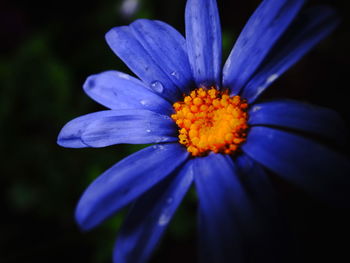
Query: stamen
211	120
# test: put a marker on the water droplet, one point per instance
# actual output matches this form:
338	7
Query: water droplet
158	147
160	139
256	108
157	86
148	131
163	219
175	74
123	75
272	78
143	102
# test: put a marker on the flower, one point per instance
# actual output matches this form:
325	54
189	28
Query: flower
208	129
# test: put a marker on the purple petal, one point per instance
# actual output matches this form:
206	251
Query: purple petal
150	216
234	226
105	128
276	242
300	117
204	44
309	29
117	90
305	163
70	135
168	48
126	181
156	53
264	28
257	183
219	194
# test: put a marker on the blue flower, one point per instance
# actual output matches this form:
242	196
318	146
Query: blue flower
236	201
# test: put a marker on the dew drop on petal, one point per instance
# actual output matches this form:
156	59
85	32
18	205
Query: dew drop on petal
163	219
159	139
256	108
272	78
160	147
157	86
143	102
175	74
123	75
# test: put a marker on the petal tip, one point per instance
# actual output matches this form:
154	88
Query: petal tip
82	217
89	83
68	138
111	36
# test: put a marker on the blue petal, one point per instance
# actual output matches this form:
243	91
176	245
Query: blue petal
300	117
130	126
156	53
168	48
305	163
261	32
257	183
126	181
117	90
234	225
277	243
309	29
149	217
219	195
204	44
105	128
70	135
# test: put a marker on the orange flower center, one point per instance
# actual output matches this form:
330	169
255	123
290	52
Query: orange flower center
211	120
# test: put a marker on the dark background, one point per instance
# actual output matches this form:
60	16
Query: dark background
47	51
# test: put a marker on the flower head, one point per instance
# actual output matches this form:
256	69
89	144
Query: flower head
208	128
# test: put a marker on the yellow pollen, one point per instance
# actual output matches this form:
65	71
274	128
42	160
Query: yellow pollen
211	120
